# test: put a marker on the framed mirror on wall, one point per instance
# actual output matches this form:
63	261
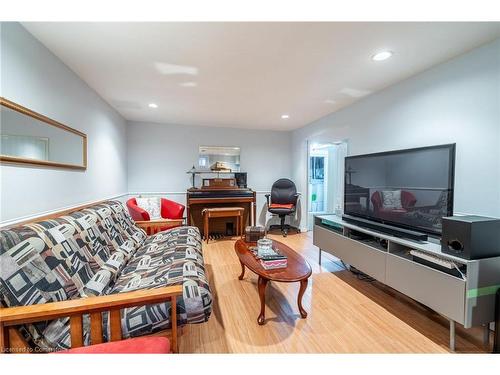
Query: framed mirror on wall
30	138
219	158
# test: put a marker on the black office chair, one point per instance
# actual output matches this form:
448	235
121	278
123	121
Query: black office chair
283	202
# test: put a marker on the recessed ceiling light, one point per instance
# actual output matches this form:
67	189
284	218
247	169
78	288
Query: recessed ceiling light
188	84
382	55
354	93
152	105
167	69
284	117
330	101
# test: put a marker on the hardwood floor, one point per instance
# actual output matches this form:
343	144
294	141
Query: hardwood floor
346	315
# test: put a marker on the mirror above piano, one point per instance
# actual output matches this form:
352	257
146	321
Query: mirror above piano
219	158
218	168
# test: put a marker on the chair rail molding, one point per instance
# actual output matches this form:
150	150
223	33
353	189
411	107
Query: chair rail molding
45	214
179	192
121	197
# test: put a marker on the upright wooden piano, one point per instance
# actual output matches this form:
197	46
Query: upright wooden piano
199	198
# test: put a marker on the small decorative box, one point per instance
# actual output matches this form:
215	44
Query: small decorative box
253	234
274	264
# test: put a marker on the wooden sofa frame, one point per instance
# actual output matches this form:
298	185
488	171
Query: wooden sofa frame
74	309
10	317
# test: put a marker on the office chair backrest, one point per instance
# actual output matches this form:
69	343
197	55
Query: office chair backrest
284	192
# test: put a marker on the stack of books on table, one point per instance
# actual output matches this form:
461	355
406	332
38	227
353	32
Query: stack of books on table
270	262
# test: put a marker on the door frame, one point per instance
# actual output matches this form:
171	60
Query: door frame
309	143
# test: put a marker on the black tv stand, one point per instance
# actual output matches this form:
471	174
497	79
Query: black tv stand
385	228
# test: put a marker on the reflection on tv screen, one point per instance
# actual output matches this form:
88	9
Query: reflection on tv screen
410	188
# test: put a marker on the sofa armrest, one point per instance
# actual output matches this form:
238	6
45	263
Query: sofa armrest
155	226
11	316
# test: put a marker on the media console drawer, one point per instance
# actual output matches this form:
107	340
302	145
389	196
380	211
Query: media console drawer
435	289
365	258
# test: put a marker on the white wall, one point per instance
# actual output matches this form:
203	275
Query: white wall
455	102
160	154
33	77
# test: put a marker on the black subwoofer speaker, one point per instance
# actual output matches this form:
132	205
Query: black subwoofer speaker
471	237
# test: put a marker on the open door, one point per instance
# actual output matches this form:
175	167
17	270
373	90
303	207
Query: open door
325	176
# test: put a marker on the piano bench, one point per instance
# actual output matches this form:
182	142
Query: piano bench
214	212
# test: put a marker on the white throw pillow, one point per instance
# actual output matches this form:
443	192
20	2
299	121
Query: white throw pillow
151	205
391	199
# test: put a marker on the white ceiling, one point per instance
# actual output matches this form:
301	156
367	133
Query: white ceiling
248	74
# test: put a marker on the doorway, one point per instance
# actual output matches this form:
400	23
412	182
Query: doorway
325	179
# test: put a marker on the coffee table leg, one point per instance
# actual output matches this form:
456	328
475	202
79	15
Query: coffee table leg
262	282
242	271
303	287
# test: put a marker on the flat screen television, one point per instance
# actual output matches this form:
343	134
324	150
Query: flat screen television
410	189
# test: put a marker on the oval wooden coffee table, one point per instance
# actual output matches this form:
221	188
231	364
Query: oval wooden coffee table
297	270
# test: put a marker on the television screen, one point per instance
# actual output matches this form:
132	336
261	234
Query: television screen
411	188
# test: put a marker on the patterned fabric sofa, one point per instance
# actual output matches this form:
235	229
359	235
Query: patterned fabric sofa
97	251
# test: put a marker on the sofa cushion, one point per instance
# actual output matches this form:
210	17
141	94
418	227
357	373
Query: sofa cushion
106	276
127	225
128	248
173	257
164	259
112	222
140	345
44	262
92	237
98	284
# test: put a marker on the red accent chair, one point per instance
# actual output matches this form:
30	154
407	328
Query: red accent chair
138	345
171	213
408	201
